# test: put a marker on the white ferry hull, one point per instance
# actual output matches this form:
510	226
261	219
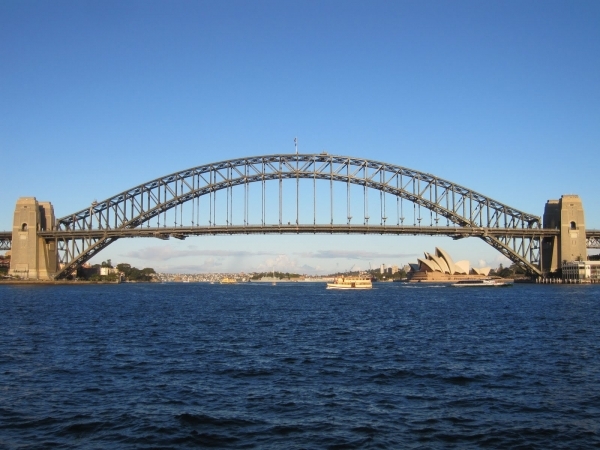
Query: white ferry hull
350	283
483	283
347	287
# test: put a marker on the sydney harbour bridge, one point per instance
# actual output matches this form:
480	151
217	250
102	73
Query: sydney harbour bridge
286	194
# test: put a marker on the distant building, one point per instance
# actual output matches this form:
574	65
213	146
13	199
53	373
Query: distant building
382	269
581	272
104	271
440	268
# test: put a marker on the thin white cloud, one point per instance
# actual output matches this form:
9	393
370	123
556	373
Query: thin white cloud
281	263
210	265
353	254
166	253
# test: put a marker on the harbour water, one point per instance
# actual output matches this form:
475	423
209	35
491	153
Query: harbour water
298	366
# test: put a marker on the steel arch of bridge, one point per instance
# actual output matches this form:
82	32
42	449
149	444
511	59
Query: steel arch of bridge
83	234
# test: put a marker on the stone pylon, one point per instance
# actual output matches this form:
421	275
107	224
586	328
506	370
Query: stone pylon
32	257
567	216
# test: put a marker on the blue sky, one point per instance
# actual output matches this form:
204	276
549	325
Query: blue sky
98	96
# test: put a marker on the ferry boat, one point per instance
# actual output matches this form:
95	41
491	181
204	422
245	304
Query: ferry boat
228	280
484	282
350	282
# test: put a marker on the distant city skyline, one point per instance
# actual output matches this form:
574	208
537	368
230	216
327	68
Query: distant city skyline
181	257
500	97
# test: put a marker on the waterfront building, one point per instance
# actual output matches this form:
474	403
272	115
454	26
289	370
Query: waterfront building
105	271
581	272
440	268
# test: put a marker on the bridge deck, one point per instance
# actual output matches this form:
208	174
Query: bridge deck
457	232
593	236
165	232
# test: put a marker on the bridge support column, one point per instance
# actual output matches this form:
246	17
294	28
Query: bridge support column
31	256
567	216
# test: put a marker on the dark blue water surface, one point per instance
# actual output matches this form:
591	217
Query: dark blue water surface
297	366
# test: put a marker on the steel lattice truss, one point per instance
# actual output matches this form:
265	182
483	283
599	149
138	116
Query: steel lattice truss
593	238
81	235
5	240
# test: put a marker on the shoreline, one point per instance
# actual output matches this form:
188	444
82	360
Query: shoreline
52	282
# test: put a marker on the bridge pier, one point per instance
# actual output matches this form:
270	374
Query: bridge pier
31	256
567	216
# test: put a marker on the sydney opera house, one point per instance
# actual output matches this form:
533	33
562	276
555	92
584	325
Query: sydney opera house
440	268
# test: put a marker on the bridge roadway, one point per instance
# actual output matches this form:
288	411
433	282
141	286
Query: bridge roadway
183	232
593	236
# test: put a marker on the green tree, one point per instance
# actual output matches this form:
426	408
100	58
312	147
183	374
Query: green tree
123	267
